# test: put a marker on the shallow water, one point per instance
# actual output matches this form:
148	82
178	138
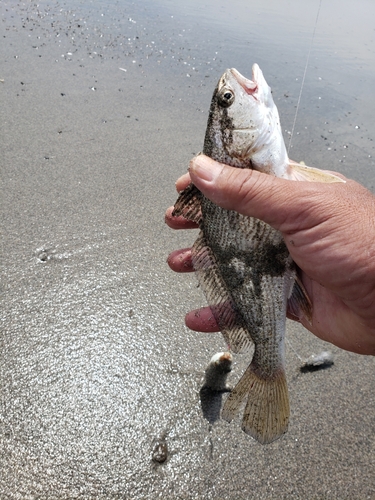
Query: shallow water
103	105
324	49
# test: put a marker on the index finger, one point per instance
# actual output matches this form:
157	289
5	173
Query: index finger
183	182
178	222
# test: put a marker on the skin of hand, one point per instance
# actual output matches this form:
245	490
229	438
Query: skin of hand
329	230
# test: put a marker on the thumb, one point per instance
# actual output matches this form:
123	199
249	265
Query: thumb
278	202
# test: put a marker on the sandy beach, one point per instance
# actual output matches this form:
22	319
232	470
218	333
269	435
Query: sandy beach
102	107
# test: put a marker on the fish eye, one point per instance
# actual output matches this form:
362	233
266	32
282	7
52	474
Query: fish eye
226	98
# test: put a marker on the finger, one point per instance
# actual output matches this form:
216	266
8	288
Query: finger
180	261
183	182
178	222
201	320
281	203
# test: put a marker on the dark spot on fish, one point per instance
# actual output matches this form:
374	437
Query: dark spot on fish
227	127
269	260
209	143
218	120
274	259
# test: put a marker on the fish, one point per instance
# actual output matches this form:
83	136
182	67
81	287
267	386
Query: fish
242	264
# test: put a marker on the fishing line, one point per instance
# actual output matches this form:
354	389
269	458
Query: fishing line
304	76
295	352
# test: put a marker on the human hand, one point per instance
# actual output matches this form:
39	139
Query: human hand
329	230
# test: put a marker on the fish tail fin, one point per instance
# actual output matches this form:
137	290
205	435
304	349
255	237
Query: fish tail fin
266	413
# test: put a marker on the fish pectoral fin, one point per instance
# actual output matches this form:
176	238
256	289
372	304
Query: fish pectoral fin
218	297
188	204
299	303
298	172
266	413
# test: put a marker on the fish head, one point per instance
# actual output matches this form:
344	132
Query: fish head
244	121
253	95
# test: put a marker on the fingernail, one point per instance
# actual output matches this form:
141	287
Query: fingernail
203	167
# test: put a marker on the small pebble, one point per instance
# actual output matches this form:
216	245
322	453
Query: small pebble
160	451
318	361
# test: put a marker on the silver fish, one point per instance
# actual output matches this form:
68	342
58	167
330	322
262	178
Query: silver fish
242	263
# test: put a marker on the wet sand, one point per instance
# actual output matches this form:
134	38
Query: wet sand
96	363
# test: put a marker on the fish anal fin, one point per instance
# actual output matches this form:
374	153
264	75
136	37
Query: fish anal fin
266	413
299	303
298	172
237	396
218	297
188	204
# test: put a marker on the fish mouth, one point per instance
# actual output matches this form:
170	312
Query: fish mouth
249	86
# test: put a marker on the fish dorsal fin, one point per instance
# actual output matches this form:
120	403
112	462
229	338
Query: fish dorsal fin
298	172
299	303
188	204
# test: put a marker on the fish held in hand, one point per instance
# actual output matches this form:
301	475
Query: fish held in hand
242	263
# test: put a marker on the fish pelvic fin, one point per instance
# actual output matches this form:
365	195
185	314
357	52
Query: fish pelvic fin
299	303
266	413
188	204
298	172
